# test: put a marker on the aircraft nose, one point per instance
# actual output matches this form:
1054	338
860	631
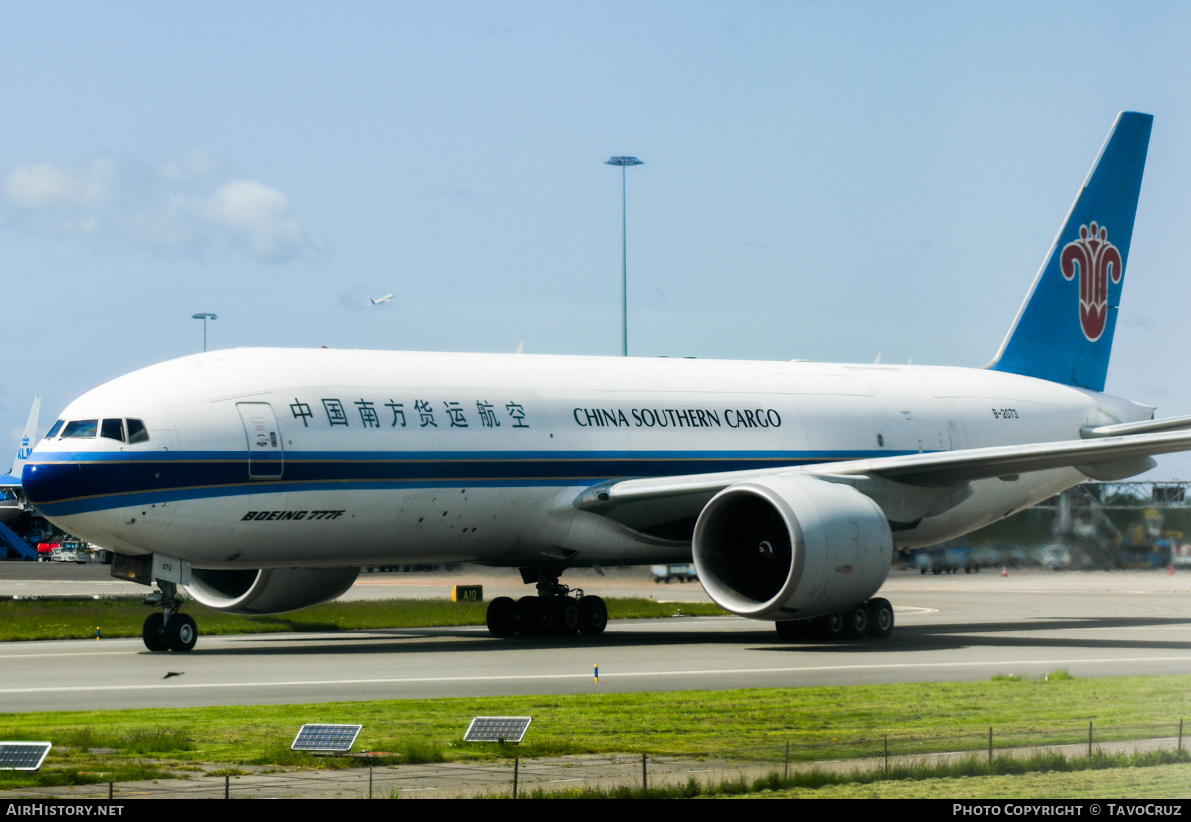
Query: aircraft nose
51	481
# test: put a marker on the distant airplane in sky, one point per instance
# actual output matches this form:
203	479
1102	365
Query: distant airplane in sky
388	298
260	480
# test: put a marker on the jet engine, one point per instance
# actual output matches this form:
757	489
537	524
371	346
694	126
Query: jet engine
791	547
268	590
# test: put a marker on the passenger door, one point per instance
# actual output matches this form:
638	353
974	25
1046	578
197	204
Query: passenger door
266	458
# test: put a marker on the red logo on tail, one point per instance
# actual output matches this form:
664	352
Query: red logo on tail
1093	259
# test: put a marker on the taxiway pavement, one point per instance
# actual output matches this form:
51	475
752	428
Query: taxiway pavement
963	627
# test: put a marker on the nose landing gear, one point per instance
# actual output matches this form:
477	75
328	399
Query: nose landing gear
169	629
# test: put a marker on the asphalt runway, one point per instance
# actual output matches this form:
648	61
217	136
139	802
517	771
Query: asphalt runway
962	627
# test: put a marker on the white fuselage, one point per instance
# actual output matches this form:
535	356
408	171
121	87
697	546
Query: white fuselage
275	457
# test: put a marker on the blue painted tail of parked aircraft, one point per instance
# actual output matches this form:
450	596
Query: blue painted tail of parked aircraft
12	497
1063	332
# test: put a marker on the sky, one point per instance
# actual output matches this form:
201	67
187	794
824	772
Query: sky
832	181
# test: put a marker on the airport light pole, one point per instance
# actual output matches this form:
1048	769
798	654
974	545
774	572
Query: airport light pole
624	163
204	316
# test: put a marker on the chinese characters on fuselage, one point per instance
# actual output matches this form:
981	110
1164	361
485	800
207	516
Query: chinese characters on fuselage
453	414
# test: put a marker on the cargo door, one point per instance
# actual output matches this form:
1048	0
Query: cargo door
266	459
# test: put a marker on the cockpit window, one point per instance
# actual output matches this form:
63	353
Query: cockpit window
137	432
113	430
54	429
80	428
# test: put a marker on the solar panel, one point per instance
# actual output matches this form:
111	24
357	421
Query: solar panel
497	729
23	756
326	738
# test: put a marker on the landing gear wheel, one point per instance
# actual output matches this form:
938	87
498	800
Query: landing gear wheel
856	622
830	627
181	633
535	616
791	629
566	616
502	617
593	616
880	618
151	632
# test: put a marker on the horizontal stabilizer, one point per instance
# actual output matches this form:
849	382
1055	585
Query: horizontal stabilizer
1144	427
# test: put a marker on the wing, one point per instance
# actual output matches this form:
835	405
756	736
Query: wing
1103	455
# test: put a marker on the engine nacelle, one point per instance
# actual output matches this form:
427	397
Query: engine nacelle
791	548
268	590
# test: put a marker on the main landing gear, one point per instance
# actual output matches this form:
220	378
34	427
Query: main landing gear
557	610
872	619
168	630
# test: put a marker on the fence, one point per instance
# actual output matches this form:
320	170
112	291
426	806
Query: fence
521	777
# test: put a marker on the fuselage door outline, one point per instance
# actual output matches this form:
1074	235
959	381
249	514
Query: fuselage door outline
266	457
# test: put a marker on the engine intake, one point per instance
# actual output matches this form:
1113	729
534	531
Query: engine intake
791	548
268	590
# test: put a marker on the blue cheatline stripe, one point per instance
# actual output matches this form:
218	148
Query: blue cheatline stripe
59	485
431	456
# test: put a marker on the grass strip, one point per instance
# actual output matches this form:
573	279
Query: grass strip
47	618
819	723
877	783
1158	783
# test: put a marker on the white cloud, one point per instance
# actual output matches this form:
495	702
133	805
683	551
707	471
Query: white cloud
43	186
187	205
258	215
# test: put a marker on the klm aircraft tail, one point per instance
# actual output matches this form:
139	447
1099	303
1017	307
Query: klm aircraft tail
27	439
1063	331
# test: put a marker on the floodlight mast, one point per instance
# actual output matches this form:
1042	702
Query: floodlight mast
204	316
624	162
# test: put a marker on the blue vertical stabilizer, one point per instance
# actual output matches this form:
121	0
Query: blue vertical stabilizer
1063	332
